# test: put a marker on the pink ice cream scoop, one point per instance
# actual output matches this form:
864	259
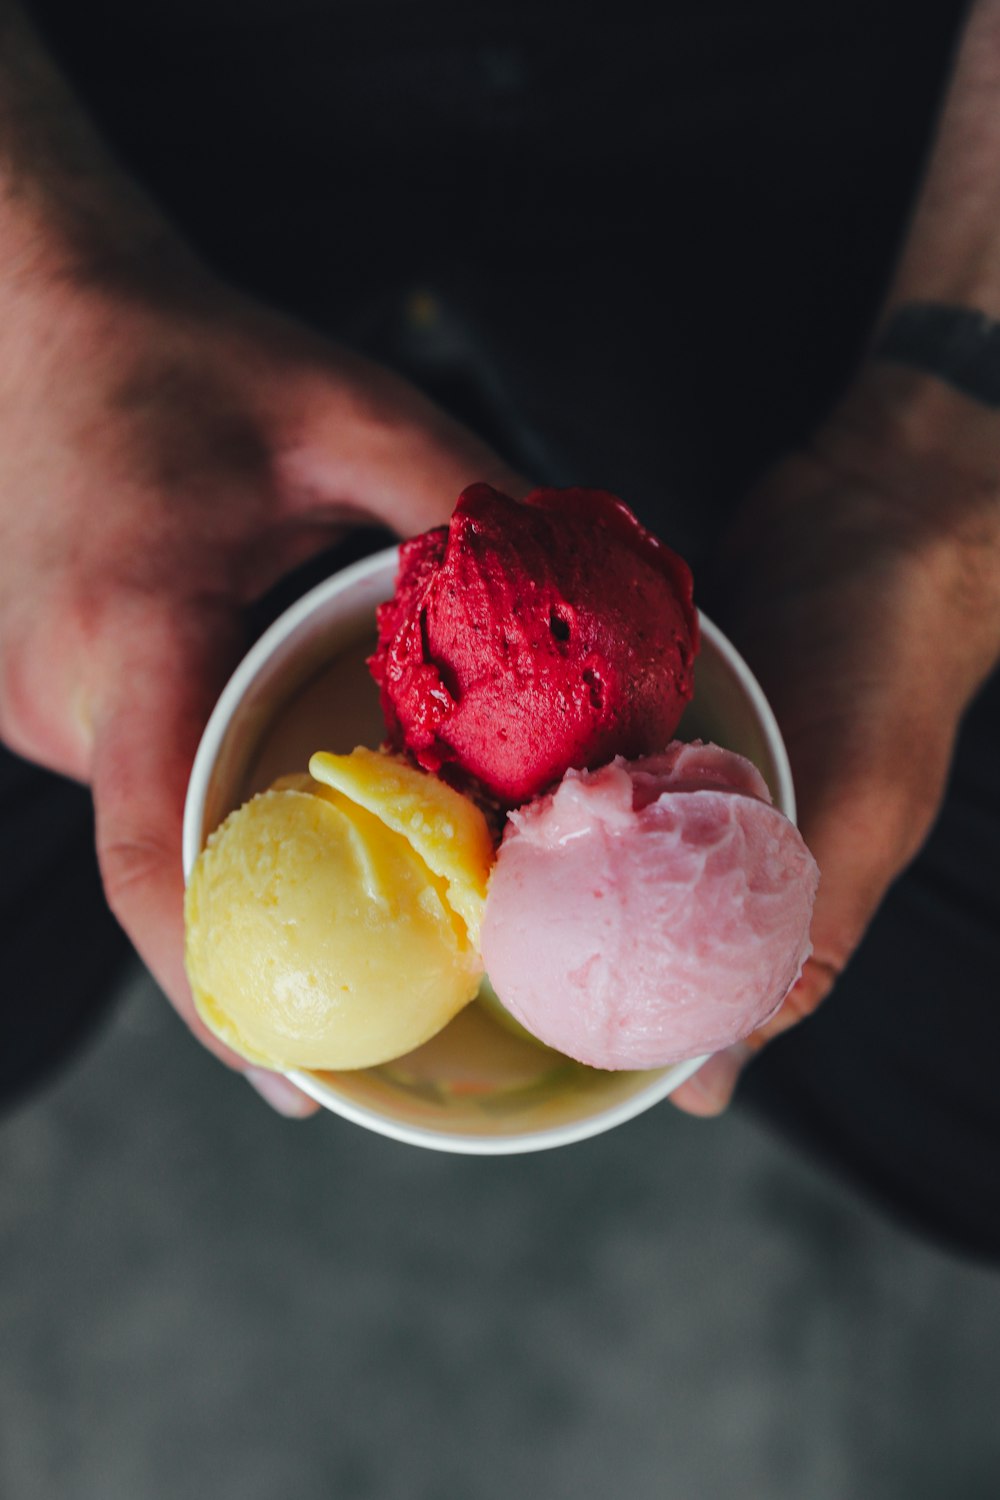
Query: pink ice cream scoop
650	911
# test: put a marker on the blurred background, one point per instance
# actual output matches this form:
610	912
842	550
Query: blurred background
199	1298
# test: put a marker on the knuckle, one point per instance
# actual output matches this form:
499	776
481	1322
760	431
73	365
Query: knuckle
818	978
24	719
803	1000
45	665
130	863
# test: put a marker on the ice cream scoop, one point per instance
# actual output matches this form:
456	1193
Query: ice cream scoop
526	638
333	922
649	911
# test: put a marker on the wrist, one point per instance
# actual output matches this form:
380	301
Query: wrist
924	461
913	434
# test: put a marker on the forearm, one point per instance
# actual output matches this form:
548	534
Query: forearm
920	438
65	205
952	251
951	255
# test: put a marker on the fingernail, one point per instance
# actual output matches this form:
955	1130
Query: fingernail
280	1094
709	1091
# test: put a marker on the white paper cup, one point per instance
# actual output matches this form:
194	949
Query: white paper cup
477	1087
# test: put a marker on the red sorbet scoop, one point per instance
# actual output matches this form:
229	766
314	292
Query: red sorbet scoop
526	638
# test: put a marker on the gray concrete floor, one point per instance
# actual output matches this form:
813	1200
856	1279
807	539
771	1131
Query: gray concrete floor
199	1299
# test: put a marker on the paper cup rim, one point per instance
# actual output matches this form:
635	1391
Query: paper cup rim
499	1145
256	659
295	619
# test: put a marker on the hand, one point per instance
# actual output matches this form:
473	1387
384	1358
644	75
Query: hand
862	581
168	451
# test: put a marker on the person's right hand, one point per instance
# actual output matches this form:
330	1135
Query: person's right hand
167	451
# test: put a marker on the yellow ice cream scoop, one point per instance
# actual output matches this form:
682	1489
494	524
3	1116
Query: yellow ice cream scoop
333	922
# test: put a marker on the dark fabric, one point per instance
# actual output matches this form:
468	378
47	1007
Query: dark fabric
895	1079
62	949
677	220
640	249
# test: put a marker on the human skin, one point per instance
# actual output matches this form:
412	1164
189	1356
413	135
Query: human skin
862	579
169	449
862	582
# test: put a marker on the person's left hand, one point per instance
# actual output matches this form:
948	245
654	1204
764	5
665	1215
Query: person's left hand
862	582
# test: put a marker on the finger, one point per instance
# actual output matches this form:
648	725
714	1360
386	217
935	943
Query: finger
853	878
166	676
710	1090
817	980
862	833
362	443
280	549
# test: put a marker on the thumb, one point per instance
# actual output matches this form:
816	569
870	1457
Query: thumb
167	671
362	443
